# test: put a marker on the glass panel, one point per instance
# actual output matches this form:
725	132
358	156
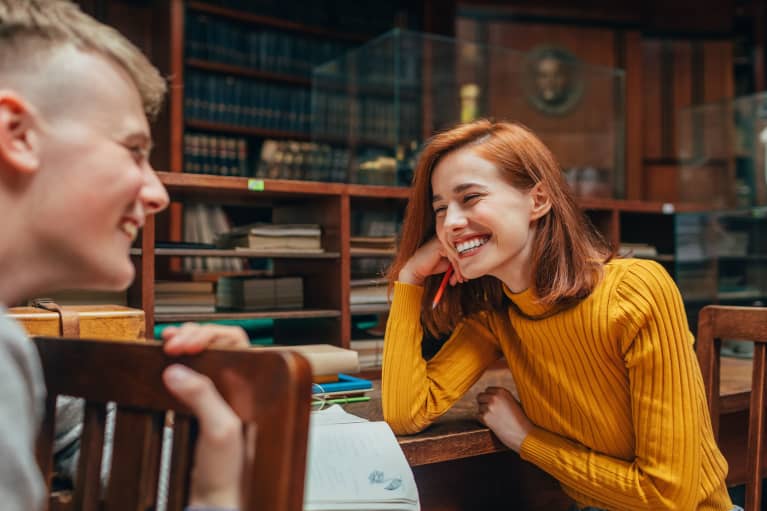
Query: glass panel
721	257
722	150
381	101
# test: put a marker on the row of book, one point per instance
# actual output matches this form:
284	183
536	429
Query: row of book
244	102
203	223
357	116
213	154
274	237
285	159
243	293
208	38
340	15
236	293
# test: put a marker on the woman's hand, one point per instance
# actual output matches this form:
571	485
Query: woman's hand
218	460
499	411
431	258
192	338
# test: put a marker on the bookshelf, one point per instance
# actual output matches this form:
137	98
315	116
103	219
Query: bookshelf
329	314
417	99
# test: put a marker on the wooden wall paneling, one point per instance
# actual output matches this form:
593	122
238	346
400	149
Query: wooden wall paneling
661	182
685	61
631	53
577	138
652	99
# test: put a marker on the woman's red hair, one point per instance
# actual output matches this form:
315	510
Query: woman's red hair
567	253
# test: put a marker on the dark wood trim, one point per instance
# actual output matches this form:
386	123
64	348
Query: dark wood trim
265	254
178	183
247	72
274	314
246	130
257	19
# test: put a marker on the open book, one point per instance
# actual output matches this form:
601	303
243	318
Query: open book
356	465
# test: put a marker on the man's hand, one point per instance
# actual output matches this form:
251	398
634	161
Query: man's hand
499	411
218	461
192	338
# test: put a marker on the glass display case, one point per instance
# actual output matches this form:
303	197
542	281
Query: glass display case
381	101
721	257
722	153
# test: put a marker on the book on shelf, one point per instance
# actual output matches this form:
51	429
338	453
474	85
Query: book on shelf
255	293
345	384
369	351
282	237
368	291
181	297
325	359
202	224
355	464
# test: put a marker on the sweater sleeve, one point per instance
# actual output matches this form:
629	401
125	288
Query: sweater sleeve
666	394
416	392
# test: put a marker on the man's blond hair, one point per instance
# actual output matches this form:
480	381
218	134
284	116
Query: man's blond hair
30	28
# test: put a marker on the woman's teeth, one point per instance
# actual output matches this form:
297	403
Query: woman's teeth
130	229
465	246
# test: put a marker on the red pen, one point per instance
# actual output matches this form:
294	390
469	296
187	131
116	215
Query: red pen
442	286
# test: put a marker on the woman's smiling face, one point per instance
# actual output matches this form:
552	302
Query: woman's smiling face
482	220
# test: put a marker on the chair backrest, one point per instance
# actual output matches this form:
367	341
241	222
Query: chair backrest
717	322
270	392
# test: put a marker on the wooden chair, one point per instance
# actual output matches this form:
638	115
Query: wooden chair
717	322
270	391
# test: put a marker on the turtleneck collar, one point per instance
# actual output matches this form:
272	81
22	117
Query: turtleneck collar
527	302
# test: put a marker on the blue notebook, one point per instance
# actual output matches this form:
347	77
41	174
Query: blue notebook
345	383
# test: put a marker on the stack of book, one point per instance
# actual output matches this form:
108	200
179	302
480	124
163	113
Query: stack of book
184	297
326	360
373	245
370	352
341	389
274	237
368	291
254	293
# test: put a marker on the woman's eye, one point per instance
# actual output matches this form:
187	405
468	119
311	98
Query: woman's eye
470	197
440	210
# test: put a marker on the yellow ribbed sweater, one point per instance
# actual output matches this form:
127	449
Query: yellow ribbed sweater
612	385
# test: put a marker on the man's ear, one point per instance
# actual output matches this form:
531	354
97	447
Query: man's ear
541	201
18	136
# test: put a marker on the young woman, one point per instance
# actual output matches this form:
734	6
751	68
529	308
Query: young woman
611	401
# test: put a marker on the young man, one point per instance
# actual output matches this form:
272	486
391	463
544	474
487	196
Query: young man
75	188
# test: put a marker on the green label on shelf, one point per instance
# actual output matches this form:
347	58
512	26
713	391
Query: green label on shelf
256	185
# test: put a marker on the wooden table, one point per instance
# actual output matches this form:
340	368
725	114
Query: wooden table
460	465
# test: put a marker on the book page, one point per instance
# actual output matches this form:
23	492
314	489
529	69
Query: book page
358	463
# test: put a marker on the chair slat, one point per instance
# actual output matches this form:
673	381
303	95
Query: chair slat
756	428
88	487
181	462
44	447
131	457
718	322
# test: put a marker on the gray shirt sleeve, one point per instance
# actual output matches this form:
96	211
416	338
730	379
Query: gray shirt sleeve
22	395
